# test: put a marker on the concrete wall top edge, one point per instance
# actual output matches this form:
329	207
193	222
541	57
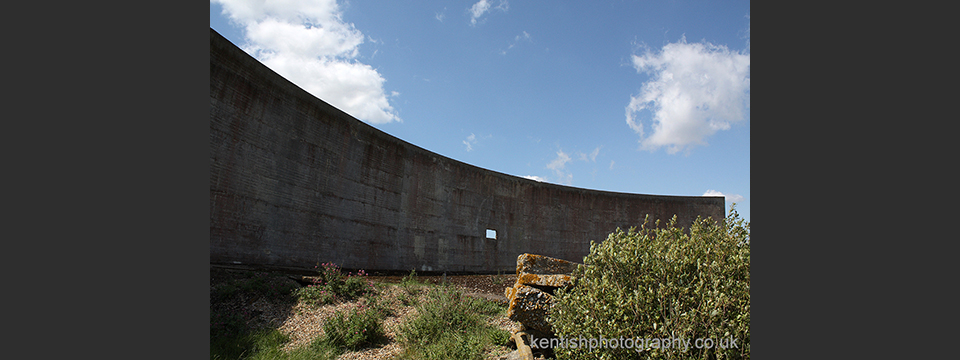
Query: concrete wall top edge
219	41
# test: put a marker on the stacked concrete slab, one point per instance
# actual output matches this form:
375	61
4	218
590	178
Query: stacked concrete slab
531	296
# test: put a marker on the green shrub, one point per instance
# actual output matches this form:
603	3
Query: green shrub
662	283
410	281
449	325
500	337
332	285
360	327
411	288
380	305
315	295
355	286
484	307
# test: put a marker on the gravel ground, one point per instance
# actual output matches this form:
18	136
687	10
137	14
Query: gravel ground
490	287
303	323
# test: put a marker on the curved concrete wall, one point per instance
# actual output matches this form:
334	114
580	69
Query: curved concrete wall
295	182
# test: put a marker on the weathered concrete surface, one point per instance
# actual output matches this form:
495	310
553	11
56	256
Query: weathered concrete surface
533	269
529	305
531	297
554	281
295	182
545	265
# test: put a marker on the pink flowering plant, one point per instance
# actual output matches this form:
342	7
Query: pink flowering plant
331	285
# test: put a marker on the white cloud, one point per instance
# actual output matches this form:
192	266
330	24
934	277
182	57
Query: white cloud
592	156
308	43
482	7
611	164
441	15
535	178
522	36
472	139
695	90
731	198
558	166
478	9
560	162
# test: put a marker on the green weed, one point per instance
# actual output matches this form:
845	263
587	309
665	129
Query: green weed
356	329
450	325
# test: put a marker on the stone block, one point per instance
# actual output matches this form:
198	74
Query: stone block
544	265
529	306
545	271
553	281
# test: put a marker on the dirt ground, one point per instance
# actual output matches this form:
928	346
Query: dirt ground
304	323
490	287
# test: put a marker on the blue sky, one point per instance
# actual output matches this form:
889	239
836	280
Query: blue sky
649	97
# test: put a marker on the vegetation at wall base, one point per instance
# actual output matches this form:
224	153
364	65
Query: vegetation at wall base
361	327
331	285
411	288
450	325
662	283
232	335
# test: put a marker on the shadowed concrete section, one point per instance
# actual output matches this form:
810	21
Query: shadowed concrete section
295	182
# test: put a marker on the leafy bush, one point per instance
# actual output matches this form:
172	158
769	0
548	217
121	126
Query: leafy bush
450	325
355	286
316	295
411	288
362	326
662	283
331	284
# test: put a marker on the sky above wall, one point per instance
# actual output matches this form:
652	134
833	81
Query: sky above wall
649	97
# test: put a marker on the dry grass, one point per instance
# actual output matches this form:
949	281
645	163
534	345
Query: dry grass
303	323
